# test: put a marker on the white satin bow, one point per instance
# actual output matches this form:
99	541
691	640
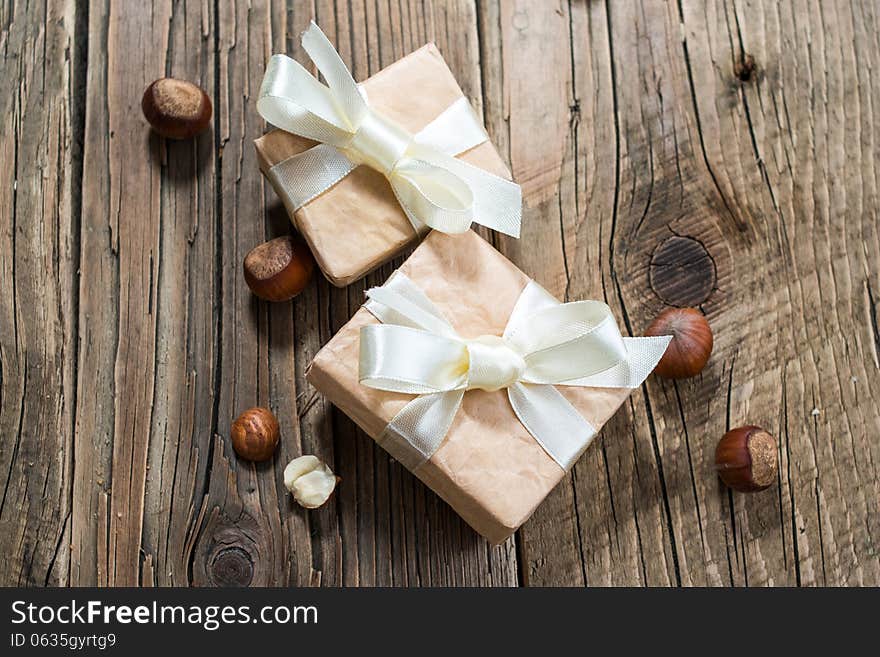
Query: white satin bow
434	189
546	343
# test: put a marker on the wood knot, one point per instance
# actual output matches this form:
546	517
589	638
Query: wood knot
232	566
682	273
744	68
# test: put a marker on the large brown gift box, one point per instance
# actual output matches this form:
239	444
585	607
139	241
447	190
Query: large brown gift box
488	468
357	224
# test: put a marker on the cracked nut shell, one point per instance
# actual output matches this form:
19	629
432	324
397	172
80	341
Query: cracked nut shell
176	109
255	434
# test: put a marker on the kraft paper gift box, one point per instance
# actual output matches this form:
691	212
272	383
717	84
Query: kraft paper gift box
489	468
358	224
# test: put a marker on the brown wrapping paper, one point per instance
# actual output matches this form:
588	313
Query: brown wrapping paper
357	225
489	468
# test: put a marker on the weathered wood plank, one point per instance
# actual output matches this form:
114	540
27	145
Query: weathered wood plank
98	288
240	540
38	256
144	423
116	296
188	317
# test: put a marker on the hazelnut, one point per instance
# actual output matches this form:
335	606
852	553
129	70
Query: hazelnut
746	459
176	109
279	269
691	343
310	481
255	434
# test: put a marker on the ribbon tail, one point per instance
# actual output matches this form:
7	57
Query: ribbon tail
552	421
497	202
643	354
418	430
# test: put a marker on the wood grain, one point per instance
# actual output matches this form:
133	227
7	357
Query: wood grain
659	90
38	256
711	153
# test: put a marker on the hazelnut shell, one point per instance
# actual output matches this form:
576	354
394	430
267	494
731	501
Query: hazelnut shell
176	109
745	459
691	345
279	269
255	434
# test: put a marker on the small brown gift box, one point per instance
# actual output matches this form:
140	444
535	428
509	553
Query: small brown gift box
488	468
357	224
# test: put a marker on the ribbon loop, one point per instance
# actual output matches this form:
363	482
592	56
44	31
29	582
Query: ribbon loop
292	99
344	89
387	362
417	351
434	189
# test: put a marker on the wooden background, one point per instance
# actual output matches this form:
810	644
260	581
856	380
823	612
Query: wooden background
719	153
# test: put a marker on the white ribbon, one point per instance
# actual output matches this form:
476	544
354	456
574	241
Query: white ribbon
434	189
546	343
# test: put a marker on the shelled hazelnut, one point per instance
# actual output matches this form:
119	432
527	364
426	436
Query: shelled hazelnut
310	481
176	109
746	459
279	269
691	343
255	434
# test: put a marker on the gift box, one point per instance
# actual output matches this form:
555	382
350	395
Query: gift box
357	223
451	379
